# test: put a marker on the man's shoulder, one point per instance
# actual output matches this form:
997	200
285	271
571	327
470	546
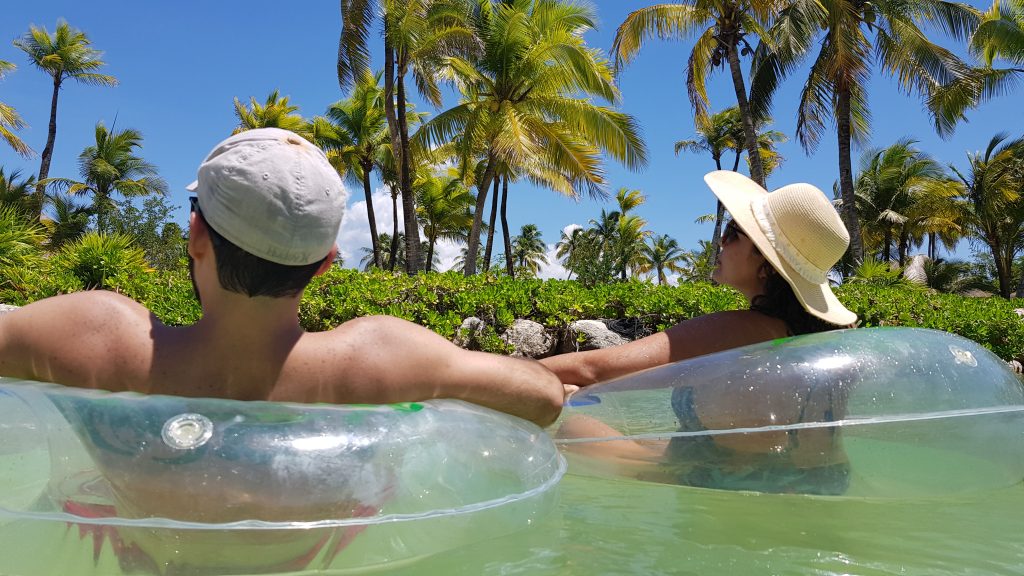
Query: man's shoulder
97	313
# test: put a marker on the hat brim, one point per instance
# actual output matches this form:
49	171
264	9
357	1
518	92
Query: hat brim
738	193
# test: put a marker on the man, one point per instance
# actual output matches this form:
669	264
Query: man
264	222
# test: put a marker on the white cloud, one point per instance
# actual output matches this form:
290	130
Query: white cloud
355	227
354	234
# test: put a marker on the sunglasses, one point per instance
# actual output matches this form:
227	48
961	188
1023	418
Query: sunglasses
193	202
731	232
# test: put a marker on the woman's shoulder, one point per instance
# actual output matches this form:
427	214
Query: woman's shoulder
722	331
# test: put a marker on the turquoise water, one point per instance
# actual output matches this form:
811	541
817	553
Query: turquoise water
606	526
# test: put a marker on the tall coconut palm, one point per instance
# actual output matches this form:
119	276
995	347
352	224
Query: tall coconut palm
443	208
10	120
528	250
67	54
991	187
660	254
111	166
417	35
358	139
854	37
526	103
722	28
275	112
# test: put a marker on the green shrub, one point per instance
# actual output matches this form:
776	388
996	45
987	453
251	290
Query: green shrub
440	301
97	260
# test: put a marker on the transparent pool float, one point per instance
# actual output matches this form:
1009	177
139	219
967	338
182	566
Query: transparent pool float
99	483
878	412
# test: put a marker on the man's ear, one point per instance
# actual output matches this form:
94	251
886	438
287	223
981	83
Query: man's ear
326	264
198	235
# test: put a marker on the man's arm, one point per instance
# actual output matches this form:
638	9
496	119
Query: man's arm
397	361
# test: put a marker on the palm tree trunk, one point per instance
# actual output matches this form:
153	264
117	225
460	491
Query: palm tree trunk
846	174
490	226
431	239
887	244
504	231
374	241
473	243
1002	270
716	235
393	249
932	247
47	154
903	247
749	134
412	233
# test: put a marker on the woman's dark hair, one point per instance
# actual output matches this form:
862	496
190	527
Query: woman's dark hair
241	272
779	301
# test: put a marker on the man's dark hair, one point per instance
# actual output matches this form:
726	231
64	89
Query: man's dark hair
241	272
779	301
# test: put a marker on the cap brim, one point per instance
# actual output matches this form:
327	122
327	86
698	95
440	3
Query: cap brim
192	187
737	193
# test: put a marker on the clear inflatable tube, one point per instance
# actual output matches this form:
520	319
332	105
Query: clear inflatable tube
162	485
880	412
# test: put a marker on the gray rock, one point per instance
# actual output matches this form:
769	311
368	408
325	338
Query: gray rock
1019	311
5	308
1016	367
468	335
529	338
915	270
590	335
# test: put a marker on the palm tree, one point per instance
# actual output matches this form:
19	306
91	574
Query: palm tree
275	112
19	195
417	35
443	208
526	103
661	254
993	204
856	36
998	37
568	249
528	250
723	27
722	132
11	120
889	190
67	54
359	137
111	166
68	221
629	233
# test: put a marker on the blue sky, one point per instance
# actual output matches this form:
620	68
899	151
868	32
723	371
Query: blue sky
180	65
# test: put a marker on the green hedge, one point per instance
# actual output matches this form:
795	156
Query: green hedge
441	302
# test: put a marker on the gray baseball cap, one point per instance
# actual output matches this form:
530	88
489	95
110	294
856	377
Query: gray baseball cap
273	194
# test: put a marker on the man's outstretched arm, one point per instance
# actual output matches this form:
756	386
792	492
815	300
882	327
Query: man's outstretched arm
398	361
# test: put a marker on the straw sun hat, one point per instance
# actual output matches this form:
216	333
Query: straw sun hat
797	230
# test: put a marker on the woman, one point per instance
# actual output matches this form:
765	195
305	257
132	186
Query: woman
777	251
